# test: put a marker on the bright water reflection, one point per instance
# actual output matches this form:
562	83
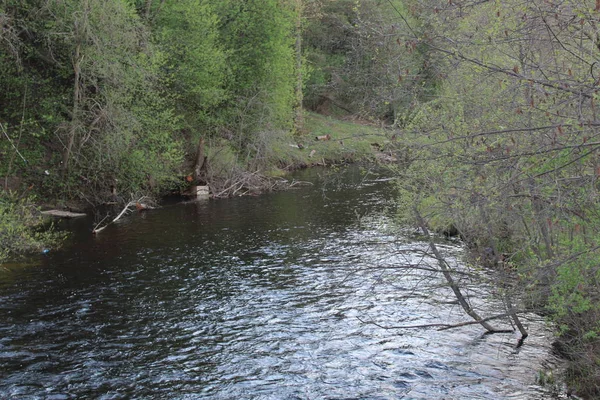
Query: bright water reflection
252	298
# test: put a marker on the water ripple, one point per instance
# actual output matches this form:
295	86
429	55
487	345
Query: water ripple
225	300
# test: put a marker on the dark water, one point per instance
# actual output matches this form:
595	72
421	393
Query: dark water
253	298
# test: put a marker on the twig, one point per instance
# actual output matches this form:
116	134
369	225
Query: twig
131	203
13	145
296	183
446	272
123	212
99	223
409	267
238	189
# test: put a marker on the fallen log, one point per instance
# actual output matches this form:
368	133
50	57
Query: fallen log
63	214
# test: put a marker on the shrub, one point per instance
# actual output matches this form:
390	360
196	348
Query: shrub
22	228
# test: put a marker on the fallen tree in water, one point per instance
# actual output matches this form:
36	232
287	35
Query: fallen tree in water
484	322
63	214
251	183
433	272
141	204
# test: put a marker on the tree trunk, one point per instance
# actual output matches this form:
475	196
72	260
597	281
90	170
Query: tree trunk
513	315
538	209
446	272
148	8
148	14
199	161
299	112
75	110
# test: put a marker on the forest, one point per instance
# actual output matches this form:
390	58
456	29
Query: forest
490	106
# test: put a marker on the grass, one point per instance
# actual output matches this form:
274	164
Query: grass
348	142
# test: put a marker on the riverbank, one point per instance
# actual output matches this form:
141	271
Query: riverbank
23	230
325	141
542	262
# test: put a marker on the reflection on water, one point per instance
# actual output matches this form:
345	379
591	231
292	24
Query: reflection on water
284	296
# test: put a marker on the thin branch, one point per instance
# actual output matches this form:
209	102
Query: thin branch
504	131
446	272
443	327
133	203
13	145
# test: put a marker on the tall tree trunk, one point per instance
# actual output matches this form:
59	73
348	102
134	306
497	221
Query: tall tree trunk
199	161
299	112
148	8
538	209
75	109
148	14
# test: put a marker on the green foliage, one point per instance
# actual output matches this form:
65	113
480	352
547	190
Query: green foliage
114	109
575	299
21	229
186	31
100	94
362	65
508	149
349	142
103	94
261	65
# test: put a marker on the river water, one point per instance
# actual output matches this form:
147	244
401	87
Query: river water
283	296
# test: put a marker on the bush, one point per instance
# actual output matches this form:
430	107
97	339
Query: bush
22	228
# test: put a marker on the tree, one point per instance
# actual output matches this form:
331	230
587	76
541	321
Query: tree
507	152
100	54
258	38
365	63
299	88
187	33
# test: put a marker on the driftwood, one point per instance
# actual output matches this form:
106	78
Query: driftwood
251	179
63	214
323	137
250	183
134	204
446	272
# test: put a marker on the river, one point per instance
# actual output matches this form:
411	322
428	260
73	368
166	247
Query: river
282	296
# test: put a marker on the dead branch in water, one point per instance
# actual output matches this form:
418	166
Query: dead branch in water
243	183
462	301
134	204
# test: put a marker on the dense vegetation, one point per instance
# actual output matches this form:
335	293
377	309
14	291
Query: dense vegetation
493	105
110	100
103	94
507	154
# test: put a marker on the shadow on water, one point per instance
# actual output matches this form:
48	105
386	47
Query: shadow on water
251	298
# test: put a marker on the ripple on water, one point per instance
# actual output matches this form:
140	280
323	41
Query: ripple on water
243	299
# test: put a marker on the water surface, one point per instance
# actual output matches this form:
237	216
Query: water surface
283	296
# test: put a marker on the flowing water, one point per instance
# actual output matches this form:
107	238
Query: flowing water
283	296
